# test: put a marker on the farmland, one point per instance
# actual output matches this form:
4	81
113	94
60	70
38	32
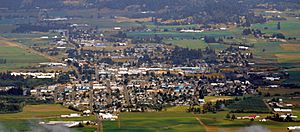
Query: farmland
290	27
278	91
17	58
150	121
179	35
218	121
37	112
250	104
193	44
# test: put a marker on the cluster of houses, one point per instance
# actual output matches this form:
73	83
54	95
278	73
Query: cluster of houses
145	78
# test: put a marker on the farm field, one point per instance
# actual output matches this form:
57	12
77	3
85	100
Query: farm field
250	104
215	98
151	121
192	44
280	91
30	116
290	47
37	112
163	121
179	35
290	27
218	122
32	39
17	58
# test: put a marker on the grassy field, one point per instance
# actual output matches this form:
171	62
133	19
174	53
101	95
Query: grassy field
31	115
151	121
170	121
17	58
14	49
294	77
30	39
179	35
192	44
37	112
163	121
250	104
281	91
218	122
215	98
290	27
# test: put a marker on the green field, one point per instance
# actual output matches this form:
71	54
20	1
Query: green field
179	35
31	39
170	27
151	121
30	116
290	27
219	121
37	112
192	44
17	58
250	104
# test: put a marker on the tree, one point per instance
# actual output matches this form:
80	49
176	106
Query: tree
247	31
288	118
278	35
233	117
278	25
228	116
209	39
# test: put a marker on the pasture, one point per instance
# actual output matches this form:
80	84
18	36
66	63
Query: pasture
37	112
151	121
179	35
161	121
290	27
17	58
279	91
192	44
290	47
250	104
219	122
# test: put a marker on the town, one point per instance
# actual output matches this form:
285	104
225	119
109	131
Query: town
114	69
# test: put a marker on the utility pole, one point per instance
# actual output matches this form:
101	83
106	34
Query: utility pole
99	123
